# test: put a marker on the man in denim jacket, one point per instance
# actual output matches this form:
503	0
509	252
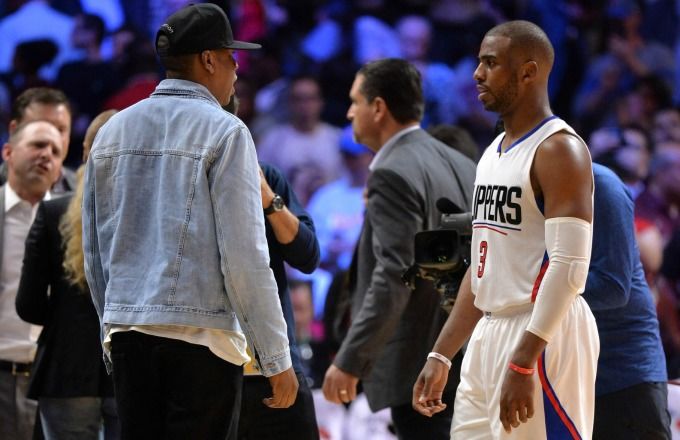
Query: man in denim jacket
175	249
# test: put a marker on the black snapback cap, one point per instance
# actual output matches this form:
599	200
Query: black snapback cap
196	28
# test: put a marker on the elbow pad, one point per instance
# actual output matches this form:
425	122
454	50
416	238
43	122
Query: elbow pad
568	242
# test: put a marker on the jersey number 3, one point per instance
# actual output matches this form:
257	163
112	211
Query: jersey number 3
483	247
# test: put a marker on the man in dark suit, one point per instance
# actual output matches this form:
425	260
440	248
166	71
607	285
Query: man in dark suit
393	327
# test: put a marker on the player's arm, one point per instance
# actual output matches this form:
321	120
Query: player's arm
429	387
561	174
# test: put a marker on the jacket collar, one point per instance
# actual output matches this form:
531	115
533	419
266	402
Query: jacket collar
182	87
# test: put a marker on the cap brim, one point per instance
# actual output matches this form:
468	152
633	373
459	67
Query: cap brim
243	45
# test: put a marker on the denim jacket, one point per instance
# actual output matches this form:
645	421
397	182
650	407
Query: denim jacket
173	231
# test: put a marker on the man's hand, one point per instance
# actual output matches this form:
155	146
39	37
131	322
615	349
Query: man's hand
517	399
428	389
284	389
339	386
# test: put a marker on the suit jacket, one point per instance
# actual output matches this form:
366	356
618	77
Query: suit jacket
68	362
393	328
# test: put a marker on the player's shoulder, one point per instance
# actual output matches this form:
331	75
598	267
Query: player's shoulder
563	142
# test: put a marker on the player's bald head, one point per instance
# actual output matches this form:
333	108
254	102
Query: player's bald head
528	40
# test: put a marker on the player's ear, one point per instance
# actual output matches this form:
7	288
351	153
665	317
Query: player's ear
529	70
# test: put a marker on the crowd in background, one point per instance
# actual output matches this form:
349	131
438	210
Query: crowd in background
615	80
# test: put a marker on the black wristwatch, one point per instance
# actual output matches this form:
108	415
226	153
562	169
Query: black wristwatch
276	205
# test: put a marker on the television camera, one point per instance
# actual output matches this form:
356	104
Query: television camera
443	255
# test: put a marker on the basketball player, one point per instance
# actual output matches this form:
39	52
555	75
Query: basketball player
529	369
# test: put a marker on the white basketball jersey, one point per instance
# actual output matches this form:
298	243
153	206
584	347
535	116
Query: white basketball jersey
508	240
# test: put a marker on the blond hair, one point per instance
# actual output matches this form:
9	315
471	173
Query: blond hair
71	228
71	223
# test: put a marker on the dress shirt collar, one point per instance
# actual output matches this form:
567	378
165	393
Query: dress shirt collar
12	198
390	144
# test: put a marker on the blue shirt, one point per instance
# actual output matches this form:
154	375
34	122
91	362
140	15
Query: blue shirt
617	293
302	253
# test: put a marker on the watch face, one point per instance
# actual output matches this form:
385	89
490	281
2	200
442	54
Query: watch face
277	203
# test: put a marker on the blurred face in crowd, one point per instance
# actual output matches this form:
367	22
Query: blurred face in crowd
634	155
303	310
361	114
666	126
57	115
414	38
82	37
306	103
34	157
496	75
669	177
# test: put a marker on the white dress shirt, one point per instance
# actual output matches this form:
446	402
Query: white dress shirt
17	338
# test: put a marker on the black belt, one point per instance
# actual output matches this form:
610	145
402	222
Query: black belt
16	368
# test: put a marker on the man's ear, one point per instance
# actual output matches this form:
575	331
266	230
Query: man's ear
6	151
208	60
379	109
13	125
529	70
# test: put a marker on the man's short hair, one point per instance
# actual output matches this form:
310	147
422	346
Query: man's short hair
527	38
41	95
398	83
16	135
177	65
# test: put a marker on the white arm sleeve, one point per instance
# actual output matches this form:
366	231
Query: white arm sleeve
568	241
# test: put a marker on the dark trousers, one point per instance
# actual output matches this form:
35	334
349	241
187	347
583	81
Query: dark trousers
259	422
638	412
170	389
411	425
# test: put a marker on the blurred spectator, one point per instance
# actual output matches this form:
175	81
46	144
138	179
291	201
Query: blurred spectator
667	145
660	201
638	106
461	21
442	104
457	138
88	81
306	148
309	334
35	19
626	151
666	125
338	207
38	104
110	11
29	57
122	39
138	71
628	58
374	39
